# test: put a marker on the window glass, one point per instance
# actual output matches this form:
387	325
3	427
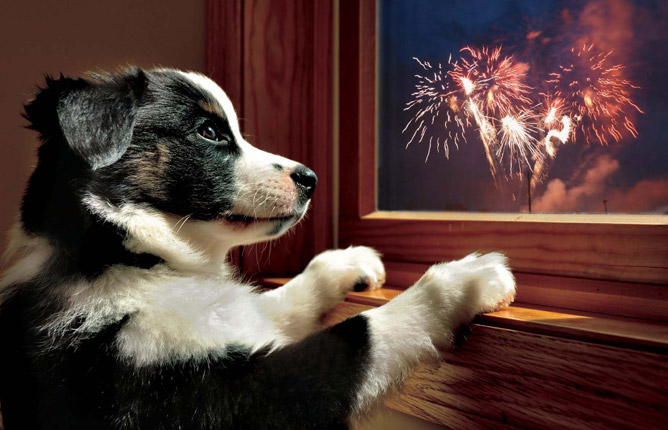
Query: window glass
520	105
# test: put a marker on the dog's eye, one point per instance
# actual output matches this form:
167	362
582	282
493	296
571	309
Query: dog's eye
208	131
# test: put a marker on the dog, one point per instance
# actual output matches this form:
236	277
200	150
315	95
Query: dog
120	310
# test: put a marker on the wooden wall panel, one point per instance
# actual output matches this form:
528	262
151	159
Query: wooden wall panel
510	379
357	92
224	47
285	94
635	300
224	58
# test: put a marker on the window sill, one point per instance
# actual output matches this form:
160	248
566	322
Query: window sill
607	219
535	367
610	330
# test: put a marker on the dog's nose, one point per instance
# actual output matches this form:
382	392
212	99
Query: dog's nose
305	179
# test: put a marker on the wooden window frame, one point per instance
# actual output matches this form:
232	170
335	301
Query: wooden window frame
274	61
522	362
612	264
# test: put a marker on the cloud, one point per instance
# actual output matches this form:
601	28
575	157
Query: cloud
608	24
650	195
644	196
560	198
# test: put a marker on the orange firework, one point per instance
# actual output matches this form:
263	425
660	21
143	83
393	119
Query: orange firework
598	95
492	81
588	98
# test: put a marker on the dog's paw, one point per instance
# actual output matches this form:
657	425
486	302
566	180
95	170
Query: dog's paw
497	283
474	284
355	268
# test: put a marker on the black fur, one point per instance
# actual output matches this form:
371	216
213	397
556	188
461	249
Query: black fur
132	138
81	384
69	164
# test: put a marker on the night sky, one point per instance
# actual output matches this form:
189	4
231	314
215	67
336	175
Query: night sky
630	175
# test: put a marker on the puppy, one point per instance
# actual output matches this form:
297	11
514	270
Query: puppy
120	311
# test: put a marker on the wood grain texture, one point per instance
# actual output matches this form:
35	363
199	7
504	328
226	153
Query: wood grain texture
280	53
506	379
321	147
533	381
632	333
357	99
620	248
224	59
584	326
636	300
620	252
224	47
288	111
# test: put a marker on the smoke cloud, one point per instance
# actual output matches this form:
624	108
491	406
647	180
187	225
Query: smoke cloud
589	194
609	25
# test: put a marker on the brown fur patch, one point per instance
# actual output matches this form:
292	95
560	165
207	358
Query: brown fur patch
163	158
213	108
149	170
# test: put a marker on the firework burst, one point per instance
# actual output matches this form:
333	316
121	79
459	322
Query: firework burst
517	141
439	116
555	122
588	98
597	94
493	81
487	135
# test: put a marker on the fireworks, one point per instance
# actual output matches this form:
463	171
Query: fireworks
517	140
436	104
556	124
562	135
588	98
487	135
493	81
597	94
493	86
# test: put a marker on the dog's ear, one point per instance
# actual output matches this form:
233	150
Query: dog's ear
95	117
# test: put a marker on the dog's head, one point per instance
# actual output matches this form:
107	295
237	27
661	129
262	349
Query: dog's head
152	151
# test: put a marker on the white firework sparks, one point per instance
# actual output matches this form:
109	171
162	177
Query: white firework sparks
436	104
517	142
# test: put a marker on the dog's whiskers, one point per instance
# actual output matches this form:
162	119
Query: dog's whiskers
182	222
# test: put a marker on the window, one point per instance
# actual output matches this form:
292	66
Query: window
521	106
573	261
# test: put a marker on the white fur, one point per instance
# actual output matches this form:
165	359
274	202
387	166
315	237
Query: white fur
173	317
409	328
191	317
262	190
259	158
297	306
178	316
212	88
191	307
154	232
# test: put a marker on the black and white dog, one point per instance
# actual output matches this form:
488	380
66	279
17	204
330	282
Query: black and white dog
120	312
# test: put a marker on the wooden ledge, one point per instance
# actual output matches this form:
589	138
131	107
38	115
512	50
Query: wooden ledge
608	219
534	367
604	329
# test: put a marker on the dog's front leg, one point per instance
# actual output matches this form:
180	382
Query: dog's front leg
340	372
297	306
411	326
